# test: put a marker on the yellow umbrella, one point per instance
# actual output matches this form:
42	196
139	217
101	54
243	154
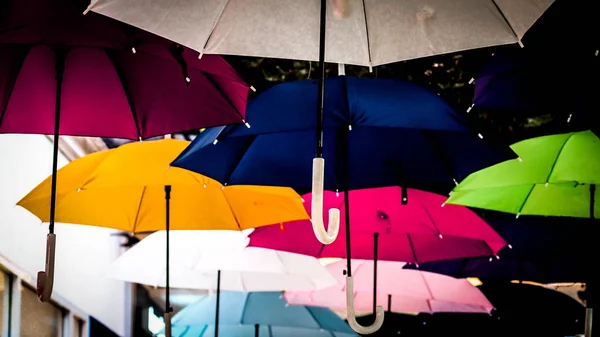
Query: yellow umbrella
123	188
133	188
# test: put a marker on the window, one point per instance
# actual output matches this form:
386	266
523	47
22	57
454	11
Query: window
39	319
3	280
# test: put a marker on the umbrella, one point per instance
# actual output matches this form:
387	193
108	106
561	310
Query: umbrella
403	290
544	250
557	177
196	257
417	232
367	125
126	188
552	73
65	74
218	260
290	29
258	314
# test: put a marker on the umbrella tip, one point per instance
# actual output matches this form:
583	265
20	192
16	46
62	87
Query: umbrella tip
252	88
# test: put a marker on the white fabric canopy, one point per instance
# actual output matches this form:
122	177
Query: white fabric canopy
375	32
196	256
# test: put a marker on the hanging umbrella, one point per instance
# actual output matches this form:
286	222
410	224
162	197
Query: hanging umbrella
290	29
545	250
417	231
404	291
218	260
196	257
258	314
557	177
368	124
127	188
65	74
552	73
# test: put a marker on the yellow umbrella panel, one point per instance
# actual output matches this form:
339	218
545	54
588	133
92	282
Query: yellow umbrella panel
124	188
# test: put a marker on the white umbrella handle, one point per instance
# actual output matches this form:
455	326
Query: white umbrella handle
363	330
45	279
318	178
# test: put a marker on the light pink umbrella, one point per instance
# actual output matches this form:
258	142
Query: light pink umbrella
399	290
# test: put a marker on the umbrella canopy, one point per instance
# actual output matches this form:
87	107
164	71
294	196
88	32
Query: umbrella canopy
104	78
368	124
401	290
123	188
418	231
556	177
243	312
544	250
290	29
197	256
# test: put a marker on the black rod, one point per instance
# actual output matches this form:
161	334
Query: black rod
218	302
60	70
168	308
375	243
321	88
389	303
255	330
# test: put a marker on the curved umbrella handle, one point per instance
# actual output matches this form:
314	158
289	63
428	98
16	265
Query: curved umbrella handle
363	330
45	279
325	237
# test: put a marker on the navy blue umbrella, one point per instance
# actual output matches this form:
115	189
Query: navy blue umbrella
544	250
386	132
376	133
554	73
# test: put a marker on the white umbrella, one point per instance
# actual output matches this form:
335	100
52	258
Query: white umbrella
198	257
217	260
374	32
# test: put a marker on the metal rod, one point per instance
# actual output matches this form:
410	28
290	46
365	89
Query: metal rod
375	250
168	308
218	303
321	87
255	330
60	70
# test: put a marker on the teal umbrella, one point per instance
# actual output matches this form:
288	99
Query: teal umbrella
554	176
257	314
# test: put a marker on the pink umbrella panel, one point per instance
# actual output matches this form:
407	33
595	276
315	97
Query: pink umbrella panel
416	232
399	291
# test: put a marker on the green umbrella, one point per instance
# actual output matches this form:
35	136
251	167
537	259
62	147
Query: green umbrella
554	176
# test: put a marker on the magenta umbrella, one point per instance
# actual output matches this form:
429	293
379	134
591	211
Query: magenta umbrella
417	231
386	226
404	291
63	73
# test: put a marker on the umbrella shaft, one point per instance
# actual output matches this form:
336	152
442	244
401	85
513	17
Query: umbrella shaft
321	88
60	68
218	303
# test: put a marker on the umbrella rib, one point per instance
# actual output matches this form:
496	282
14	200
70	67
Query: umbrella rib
223	94
364	6
14	82
558	155
139	208
506	21
214	26
113	59
429	216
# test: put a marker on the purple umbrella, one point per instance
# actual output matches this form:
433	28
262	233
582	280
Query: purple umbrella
63	73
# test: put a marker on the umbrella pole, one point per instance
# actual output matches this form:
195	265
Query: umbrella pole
375	250
168	309
218	303
590	302
321	87
255	330
45	279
